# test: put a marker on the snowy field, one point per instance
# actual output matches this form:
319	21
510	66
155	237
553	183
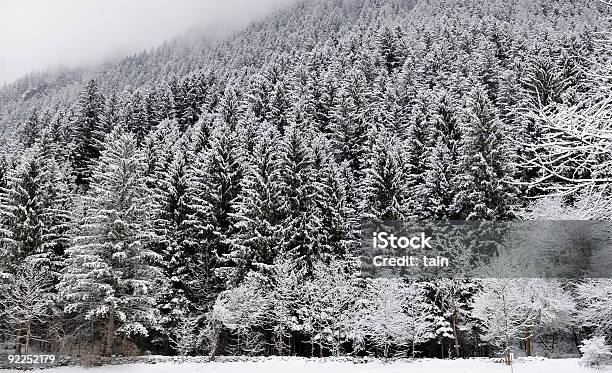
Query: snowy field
298	365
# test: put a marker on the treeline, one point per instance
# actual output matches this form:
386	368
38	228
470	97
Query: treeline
219	213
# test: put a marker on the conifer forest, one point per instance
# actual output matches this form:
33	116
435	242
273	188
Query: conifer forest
205	197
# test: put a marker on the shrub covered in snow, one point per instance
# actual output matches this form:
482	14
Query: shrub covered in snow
595	351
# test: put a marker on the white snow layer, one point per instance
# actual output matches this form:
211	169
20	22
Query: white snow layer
300	365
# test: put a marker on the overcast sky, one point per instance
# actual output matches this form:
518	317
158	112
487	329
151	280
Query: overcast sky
37	34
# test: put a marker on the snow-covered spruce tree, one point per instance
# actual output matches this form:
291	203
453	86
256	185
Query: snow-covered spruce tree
212	193
159	150
301	227
55	136
448	125
108	282
451	301
111	114
136	116
30	130
384	188
280	106
482	192
395	109
543	82
58	218
349	133
188	96
390	48
259	208
442	161
330	186
258	96
319	92
21	211
87	132
230	109
439	184
35	212
418	152
170	212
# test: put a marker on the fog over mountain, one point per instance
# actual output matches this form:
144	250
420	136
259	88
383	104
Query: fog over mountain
38	34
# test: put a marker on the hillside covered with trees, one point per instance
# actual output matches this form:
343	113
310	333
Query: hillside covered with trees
205	197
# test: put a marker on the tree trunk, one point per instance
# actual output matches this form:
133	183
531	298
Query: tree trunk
455	322
18	341
110	333
214	344
528	348
27	341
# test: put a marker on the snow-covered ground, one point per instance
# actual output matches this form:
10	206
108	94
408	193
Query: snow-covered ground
298	365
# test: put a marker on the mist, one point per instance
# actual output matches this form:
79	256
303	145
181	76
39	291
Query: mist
40	34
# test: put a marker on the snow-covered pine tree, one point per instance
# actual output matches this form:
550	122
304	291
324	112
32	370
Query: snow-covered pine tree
390	48
21	212
349	134
384	194
301	228
337	218
214	187
280	106
452	298
31	129
57	195
258	96
260	208
111	116
482	192
110	275
170	214
35	208
230	109
418	152
87	130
